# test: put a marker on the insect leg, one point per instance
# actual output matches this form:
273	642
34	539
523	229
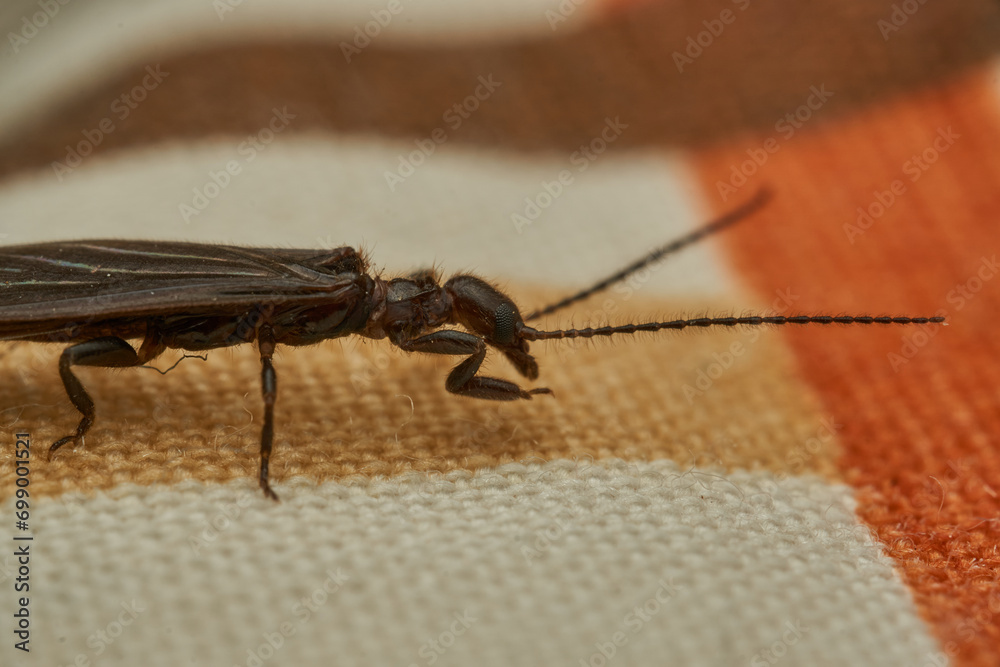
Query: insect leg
463	379
269	387
109	352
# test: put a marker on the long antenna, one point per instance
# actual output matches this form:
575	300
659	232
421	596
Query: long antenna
528	333
746	210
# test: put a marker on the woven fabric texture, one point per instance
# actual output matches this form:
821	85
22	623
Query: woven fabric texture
822	495
537	564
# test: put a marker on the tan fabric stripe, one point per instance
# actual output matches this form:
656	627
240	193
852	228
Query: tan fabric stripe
345	409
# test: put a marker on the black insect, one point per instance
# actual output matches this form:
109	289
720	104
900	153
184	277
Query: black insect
191	296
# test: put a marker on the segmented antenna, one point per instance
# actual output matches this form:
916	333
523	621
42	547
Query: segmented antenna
746	210
528	333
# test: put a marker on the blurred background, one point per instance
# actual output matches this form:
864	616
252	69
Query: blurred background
823	496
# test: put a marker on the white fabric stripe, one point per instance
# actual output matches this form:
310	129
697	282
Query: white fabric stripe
456	208
540	564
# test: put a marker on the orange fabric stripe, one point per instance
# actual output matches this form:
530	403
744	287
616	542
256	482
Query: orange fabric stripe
920	406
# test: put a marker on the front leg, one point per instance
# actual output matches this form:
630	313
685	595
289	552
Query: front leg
463	379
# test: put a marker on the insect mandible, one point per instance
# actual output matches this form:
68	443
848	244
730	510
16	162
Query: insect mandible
96	294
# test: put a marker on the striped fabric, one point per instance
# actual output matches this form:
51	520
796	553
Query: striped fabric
826	495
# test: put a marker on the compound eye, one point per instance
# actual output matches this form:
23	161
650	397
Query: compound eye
504	317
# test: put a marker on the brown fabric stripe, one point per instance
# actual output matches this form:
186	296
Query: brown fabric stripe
921	443
556	92
344	409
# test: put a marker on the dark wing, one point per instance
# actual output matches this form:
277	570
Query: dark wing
106	279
